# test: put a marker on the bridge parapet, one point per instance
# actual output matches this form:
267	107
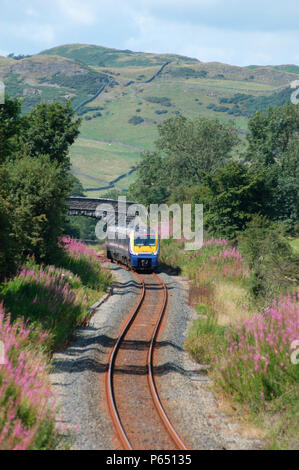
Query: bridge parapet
89	207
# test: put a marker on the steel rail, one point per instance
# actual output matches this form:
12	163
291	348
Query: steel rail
109	375
169	427
151	381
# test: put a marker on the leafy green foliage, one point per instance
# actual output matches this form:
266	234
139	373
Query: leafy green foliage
202	144
50	130
150	187
274	265
184	151
17	57
247	105
271	133
274	145
7	247
10	126
163	101
37	192
76	186
135	120
231	195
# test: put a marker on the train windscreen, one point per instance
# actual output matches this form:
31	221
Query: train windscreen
145	240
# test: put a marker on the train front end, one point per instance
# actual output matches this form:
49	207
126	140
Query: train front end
144	250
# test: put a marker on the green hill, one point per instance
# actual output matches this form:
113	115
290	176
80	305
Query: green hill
106	57
122	95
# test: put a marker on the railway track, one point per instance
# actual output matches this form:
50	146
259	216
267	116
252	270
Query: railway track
139	418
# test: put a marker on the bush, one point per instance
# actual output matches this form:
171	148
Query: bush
231	196
163	101
135	120
274	266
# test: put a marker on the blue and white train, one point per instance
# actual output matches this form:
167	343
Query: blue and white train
137	249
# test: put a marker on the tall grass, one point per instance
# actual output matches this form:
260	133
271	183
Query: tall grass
57	299
45	296
255	365
84	262
27	406
45	304
249	353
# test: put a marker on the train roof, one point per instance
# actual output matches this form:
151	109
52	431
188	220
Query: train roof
128	230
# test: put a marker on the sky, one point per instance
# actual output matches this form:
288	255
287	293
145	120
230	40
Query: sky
260	32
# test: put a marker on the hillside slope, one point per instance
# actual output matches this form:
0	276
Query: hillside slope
122	95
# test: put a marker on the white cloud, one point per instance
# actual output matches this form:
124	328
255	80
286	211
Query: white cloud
259	31
3	53
44	34
79	11
31	12
211	44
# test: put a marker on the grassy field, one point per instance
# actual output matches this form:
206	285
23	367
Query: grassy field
295	244
78	71
93	159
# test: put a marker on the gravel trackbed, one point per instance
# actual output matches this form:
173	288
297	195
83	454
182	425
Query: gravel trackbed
78	375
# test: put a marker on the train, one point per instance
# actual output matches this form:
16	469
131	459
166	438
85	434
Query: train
136	248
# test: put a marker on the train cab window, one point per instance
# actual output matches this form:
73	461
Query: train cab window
145	240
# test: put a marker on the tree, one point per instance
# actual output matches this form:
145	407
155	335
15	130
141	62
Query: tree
203	144
274	145
11	124
37	191
271	134
50	130
7	248
230	196
274	267
185	150
151	184
76	186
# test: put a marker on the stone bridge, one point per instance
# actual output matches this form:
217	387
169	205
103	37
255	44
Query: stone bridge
99	208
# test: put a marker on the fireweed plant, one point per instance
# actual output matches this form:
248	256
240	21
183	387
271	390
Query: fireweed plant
42	306
255	365
250	355
57	298
27	406
84	262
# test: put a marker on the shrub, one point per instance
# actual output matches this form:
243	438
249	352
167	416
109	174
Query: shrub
163	101
135	120
274	265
